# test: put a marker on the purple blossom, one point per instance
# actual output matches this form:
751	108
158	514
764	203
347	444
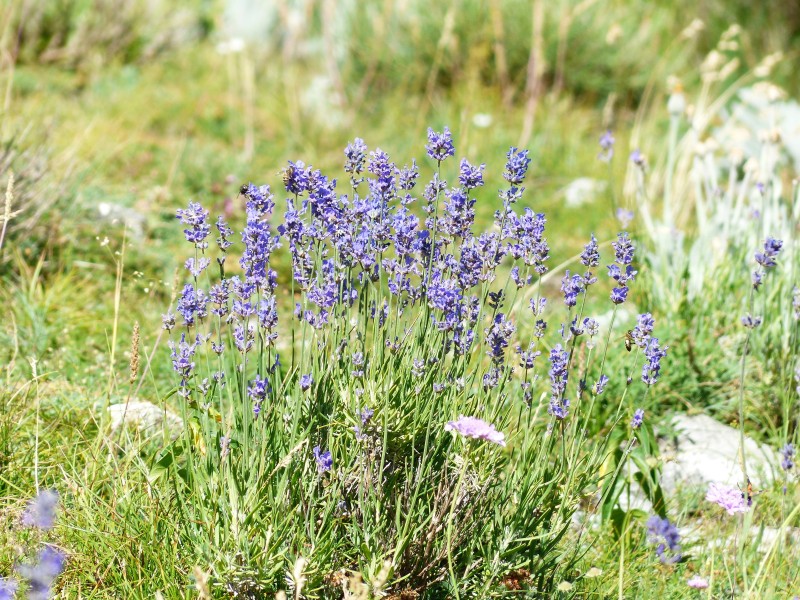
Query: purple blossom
638	418
324	460
355	154
619	295
729	498
750	321
168	321
638	159
559	374
666	537
623	249
651	369
259	200
407	178
600	385
440	145
196	267
473	427
697	582
572	286
40	576
644	327
306	381
497	337
590	257
787	457
606	146
470	176
225	233
8	587
195	217
772	248
516	166
41	511
624	217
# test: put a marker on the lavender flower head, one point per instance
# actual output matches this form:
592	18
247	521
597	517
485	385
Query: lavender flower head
606	146
40	576
195	217
666	537
475	428
729	498
558	382
590	257
624	217
324	460
356	154
787	457
8	587
440	145
772	248
470	176
653	353
638	418
306	381
516	166
41	511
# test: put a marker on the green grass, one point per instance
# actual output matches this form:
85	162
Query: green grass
152	134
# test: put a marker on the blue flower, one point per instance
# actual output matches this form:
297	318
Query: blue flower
440	145
40	576
651	369
470	176
787	457
324	460
516	166
8	587
638	418
619	295
558	382
195	217
606	146
306	381
666	537
600	385
41	511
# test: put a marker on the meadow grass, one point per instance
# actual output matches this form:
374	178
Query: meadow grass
136	519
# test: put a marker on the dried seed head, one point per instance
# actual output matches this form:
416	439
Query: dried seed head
134	365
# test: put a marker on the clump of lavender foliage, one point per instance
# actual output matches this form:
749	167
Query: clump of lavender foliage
395	301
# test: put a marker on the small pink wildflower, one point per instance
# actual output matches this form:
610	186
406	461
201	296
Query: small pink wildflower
697	582
472	427
729	498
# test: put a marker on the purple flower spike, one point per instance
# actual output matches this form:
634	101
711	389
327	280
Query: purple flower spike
324	460
729	498
306	381
40	576
638	418
8	587
41	511
478	429
666	537
606	146
440	145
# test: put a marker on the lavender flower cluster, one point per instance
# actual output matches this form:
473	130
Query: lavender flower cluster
400	259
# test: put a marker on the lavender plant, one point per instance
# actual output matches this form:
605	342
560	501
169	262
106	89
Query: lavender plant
367	408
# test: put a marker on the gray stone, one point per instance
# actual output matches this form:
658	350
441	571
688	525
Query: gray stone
706	451
146	417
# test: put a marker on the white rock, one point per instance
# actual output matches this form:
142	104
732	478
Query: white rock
146	417
583	190
706	451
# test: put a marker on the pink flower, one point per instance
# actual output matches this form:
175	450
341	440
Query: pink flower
697	582
478	429
729	498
